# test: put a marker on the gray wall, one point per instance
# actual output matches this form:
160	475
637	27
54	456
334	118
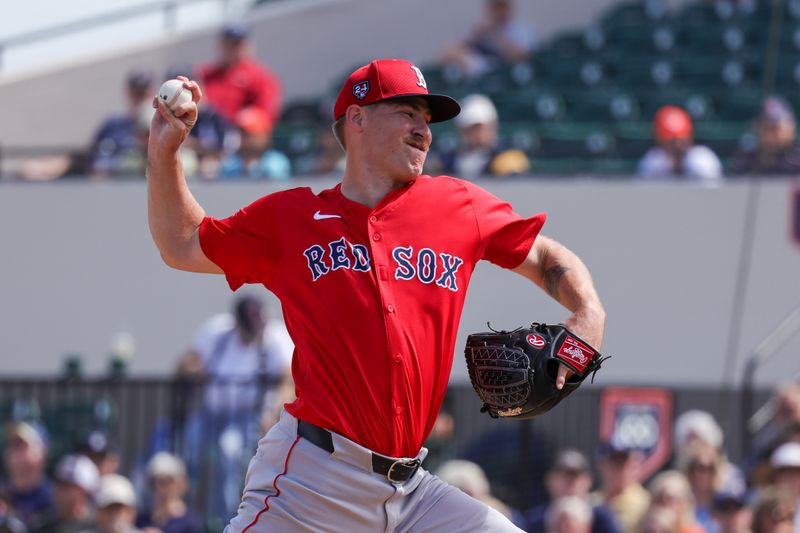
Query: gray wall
309	44
78	266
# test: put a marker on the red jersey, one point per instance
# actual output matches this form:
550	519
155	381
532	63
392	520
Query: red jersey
371	297
244	84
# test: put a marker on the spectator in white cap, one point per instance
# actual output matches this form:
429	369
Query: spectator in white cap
29	491
76	482
697	425
479	152
116	506
785	463
168	512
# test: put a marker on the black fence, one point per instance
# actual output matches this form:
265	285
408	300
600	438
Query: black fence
143	416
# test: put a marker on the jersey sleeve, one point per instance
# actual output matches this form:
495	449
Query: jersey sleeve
505	236
245	245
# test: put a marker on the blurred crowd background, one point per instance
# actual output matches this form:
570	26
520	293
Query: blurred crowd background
705	92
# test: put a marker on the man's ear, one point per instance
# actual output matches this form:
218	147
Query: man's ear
356	116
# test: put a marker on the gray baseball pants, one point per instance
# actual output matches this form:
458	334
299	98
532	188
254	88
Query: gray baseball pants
294	486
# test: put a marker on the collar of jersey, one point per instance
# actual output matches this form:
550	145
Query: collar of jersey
388	203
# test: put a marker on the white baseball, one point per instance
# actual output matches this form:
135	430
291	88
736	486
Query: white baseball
174	94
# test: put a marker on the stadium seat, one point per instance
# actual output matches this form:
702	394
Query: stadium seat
633	139
537	104
579	140
739	105
295	140
601	105
722	137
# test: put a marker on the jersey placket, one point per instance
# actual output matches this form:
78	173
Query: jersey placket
377	229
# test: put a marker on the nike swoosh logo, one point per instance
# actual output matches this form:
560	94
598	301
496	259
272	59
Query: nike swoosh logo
320	216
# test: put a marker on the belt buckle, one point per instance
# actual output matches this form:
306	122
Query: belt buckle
412	464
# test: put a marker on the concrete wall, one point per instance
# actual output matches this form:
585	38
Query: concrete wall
309	44
78	266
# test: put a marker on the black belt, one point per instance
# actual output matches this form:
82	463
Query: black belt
395	470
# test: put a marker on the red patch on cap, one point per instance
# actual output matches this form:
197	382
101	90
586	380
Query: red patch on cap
537	341
575	353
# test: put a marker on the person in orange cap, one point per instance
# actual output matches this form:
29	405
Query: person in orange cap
675	155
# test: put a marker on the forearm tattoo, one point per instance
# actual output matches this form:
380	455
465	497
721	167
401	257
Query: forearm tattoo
552	277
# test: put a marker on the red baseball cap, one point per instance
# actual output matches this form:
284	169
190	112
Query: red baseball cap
672	122
386	79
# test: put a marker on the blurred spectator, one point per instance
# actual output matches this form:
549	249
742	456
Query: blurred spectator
236	81
499	38
479	152
696	425
120	144
658	520
784	423
702	465
470	478
675	155
9	523
97	446
76	482
245	359
254	158
116	506
729	507
671	490
620	488
328	158
168	512
773	513
785	464
569	514
570	476
30	493
776	152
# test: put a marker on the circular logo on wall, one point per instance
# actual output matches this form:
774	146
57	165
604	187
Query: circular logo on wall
535	340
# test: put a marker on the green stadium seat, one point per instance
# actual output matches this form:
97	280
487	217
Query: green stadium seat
537	104
697	104
633	138
550	166
295	140
739	105
520	135
570	139
607	104
722	137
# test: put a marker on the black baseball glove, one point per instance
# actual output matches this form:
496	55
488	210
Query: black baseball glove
514	372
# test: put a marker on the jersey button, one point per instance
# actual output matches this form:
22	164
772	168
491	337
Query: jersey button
398	359
390	308
373	219
376	237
